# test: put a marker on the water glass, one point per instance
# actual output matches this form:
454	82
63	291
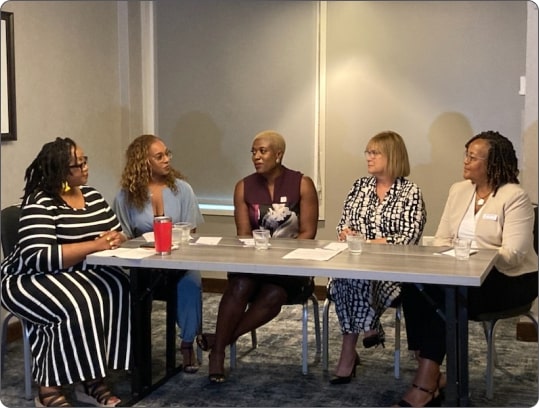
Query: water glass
261	238
355	243
462	247
181	233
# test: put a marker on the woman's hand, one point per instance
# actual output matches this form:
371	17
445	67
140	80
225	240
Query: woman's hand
110	240
344	232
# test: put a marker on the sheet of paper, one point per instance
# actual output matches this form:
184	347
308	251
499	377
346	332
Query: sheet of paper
208	241
451	252
316	254
127	253
148	236
337	246
249	242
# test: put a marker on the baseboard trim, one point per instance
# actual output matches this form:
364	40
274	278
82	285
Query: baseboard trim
526	331
14	331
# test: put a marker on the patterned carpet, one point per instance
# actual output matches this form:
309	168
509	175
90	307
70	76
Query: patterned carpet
270	376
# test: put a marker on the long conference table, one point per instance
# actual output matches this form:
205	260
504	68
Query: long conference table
401	263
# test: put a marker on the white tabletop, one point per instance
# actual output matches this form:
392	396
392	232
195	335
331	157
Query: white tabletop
402	263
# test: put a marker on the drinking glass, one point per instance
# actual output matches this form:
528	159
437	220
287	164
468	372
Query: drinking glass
261	237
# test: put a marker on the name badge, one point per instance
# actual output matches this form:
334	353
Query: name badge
283	199
491	217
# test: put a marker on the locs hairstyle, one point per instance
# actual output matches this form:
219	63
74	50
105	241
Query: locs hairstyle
502	162
50	168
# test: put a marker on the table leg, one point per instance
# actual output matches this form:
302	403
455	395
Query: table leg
451	347
141	379
171	284
456	309
462	310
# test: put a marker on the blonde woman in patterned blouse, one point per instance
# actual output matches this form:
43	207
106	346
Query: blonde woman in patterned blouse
385	208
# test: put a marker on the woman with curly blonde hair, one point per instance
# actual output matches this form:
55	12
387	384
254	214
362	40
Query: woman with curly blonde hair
151	187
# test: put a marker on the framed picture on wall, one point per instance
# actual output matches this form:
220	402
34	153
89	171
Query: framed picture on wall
8	118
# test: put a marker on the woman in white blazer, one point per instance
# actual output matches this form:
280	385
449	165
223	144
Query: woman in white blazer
490	208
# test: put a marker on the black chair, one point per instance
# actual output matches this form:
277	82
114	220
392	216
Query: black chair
490	321
303	299
9	223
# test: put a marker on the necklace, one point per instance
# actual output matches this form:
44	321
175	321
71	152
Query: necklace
481	200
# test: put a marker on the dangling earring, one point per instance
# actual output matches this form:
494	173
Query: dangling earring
65	187
278	161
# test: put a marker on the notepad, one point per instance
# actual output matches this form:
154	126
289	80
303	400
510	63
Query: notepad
316	254
126	253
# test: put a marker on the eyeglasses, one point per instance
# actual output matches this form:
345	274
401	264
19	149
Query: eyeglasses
159	157
472	158
80	165
371	153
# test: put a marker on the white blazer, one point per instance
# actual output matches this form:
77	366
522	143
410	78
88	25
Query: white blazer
506	224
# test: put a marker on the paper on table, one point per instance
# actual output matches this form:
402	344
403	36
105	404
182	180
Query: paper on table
148	236
249	242
451	252
127	253
337	246
316	254
208	241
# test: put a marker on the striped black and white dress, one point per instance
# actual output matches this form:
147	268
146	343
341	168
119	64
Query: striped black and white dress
78	317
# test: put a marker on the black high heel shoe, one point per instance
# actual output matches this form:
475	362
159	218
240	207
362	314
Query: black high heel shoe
337	380
435	401
374	340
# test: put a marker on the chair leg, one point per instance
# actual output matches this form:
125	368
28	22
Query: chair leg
530	316
233	348
200	330
233	356
3	345
325	334
397	357
305	340
489	328
27	354
316	315
27	362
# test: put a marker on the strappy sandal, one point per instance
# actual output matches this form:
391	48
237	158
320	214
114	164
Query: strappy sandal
216	377
435	401
97	393
51	399
188	354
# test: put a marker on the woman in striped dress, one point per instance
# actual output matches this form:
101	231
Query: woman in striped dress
78	315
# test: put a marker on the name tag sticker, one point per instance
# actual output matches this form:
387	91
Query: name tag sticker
283	199
491	217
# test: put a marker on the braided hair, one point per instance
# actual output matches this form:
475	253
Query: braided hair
502	162
50	168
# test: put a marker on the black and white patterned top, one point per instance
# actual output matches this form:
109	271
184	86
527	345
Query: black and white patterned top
400	217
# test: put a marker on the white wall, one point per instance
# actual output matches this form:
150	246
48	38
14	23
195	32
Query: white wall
70	83
78	74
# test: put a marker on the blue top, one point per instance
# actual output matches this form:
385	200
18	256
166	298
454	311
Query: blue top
181	206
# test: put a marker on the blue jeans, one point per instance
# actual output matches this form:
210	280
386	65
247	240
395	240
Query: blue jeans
189	309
